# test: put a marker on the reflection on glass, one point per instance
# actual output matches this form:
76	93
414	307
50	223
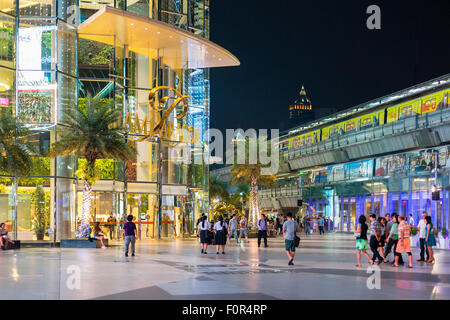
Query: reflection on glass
67	49
33	209
36	8
8	6
36	95
7	41
7	89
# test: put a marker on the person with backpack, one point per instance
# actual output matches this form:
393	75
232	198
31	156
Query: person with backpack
262	230
220	238
290	227
203	229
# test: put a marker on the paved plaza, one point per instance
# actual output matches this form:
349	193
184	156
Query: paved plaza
324	269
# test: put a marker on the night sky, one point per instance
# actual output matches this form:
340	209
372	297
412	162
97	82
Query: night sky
324	45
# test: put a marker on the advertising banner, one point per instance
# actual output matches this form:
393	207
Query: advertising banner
416	162
350	125
433	102
332	131
392	114
409	109
304	139
390	165
336	173
359	169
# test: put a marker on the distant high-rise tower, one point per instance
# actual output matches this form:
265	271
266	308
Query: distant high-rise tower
301	110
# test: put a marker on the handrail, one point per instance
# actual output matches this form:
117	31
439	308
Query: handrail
442	115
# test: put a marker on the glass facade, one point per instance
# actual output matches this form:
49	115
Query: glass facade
45	68
401	183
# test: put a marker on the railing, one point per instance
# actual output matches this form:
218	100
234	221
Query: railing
290	191
418	122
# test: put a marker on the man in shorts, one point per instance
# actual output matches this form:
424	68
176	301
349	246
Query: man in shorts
243	228
290	227
404	243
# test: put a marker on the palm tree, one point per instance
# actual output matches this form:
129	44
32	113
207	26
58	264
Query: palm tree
15	151
217	188
92	131
240	196
251	174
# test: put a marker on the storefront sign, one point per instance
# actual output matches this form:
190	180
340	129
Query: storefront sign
158	124
4	102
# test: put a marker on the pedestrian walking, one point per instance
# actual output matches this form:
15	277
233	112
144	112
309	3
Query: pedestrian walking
243	224
361	241
422	227
307	224
220	238
404	242
382	222
290	227
320	223
375	238
430	240
278	225
262	230
203	229
130	235
395	236
232	228
393	239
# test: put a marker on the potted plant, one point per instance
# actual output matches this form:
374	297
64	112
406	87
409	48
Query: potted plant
414	237
41	217
444	240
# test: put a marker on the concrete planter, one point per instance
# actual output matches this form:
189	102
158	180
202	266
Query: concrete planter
81	243
415	241
443	243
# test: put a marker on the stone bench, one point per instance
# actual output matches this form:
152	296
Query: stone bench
82	243
16	245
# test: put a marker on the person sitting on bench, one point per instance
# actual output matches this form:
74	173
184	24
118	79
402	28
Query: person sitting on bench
98	234
4	239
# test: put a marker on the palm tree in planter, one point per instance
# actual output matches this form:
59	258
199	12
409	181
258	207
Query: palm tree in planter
217	189
15	151
92	131
251	174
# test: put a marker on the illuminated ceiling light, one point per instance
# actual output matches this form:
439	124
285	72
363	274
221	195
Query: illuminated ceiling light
131	24
158	32
145	28
4	85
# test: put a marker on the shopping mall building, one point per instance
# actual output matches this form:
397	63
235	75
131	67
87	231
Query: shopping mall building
55	53
386	155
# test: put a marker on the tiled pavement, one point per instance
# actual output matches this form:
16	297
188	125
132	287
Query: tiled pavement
324	269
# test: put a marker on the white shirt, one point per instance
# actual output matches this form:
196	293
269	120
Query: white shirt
218	227
422	226
206	227
411	221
